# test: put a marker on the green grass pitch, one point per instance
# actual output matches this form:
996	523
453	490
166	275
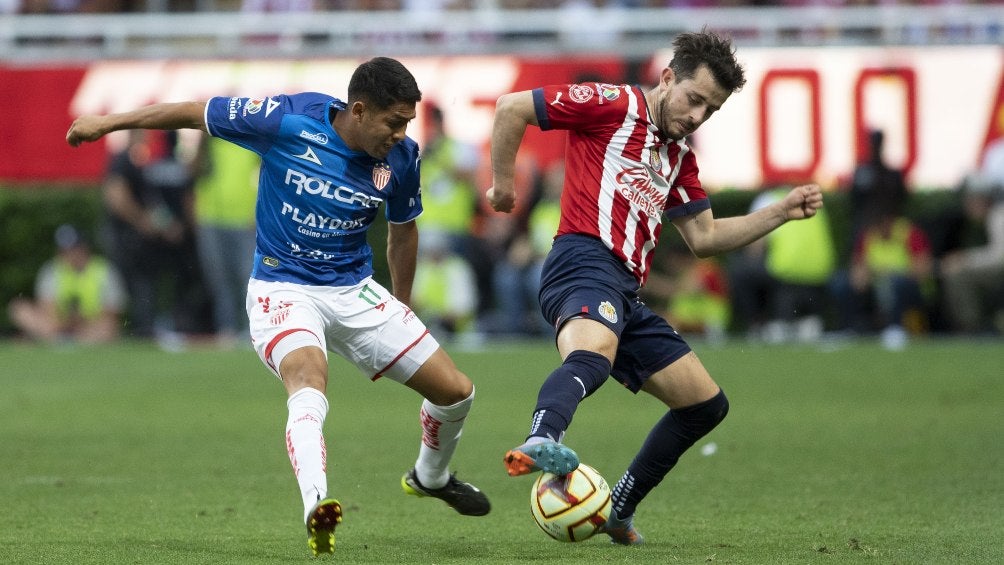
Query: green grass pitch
852	454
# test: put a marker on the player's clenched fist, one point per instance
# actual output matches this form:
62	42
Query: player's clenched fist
85	128
501	201
803	201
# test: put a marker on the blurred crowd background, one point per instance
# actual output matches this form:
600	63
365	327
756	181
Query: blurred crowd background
162	244
109	6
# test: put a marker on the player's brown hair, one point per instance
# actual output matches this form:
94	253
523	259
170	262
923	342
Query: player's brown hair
691	50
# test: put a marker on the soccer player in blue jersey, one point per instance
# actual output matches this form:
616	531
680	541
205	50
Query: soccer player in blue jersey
327	166
628	166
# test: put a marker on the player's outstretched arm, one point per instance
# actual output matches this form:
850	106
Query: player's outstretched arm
707	236
166	115
513	112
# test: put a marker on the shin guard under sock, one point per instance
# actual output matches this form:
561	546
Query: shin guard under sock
441	430
305	444
582	373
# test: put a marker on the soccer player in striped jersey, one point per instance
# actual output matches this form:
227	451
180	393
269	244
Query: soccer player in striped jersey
628	166
327	166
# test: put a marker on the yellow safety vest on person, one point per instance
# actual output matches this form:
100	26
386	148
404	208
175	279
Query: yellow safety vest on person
802	252
448	203
889	255
445	288
78	293
226	194
543	225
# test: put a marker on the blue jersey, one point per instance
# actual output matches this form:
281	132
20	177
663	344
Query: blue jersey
316	197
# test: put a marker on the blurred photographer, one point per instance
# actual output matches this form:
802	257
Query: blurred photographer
79	296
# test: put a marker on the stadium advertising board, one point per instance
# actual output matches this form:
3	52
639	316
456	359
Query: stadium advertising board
803	114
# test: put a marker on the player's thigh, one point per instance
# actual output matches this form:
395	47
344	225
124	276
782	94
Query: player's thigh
587	334
304	367
377	333
440	381
283	319
682	383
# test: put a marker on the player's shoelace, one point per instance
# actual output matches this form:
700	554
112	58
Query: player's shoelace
547	456
463	497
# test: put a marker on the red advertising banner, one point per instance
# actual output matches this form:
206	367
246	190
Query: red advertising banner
800	118
33	127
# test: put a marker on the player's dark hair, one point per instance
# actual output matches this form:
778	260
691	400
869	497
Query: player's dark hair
383	82
691	50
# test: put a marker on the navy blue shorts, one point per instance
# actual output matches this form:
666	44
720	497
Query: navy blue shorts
582	279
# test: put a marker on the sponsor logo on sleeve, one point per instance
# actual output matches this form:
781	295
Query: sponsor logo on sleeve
610	92
253	106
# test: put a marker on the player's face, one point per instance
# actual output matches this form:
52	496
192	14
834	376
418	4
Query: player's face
381	130
683	106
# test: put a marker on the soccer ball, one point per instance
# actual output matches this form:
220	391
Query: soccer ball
572	507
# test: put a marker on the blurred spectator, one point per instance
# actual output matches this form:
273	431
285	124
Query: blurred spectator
889	282
450	198
591	24
972	279
877	190
262	6
73	6
496	233
449	172
695	294
444	293
79	296
185	307
226	188
147	226
779	283
517	275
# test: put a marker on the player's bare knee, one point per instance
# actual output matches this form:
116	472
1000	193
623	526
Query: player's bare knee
456	388
304	367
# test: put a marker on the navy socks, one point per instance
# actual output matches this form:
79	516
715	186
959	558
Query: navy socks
672	435
582	373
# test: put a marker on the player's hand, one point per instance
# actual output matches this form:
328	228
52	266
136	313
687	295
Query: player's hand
85	128
803	202
501	201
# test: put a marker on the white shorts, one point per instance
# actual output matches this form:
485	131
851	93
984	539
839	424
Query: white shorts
365	324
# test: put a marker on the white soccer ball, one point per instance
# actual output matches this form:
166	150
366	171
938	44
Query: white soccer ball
572	507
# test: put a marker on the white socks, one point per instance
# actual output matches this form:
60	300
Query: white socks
441	429
305	444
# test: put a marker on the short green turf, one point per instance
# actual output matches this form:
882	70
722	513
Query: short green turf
847	454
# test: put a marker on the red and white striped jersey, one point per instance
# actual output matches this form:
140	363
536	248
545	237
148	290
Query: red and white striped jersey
621	174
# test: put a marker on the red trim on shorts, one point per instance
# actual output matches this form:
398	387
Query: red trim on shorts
271	345
400	355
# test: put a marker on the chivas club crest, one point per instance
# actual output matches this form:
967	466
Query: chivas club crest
381	175
608	311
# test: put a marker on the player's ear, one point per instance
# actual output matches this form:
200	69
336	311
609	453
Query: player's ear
358	109
668	76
